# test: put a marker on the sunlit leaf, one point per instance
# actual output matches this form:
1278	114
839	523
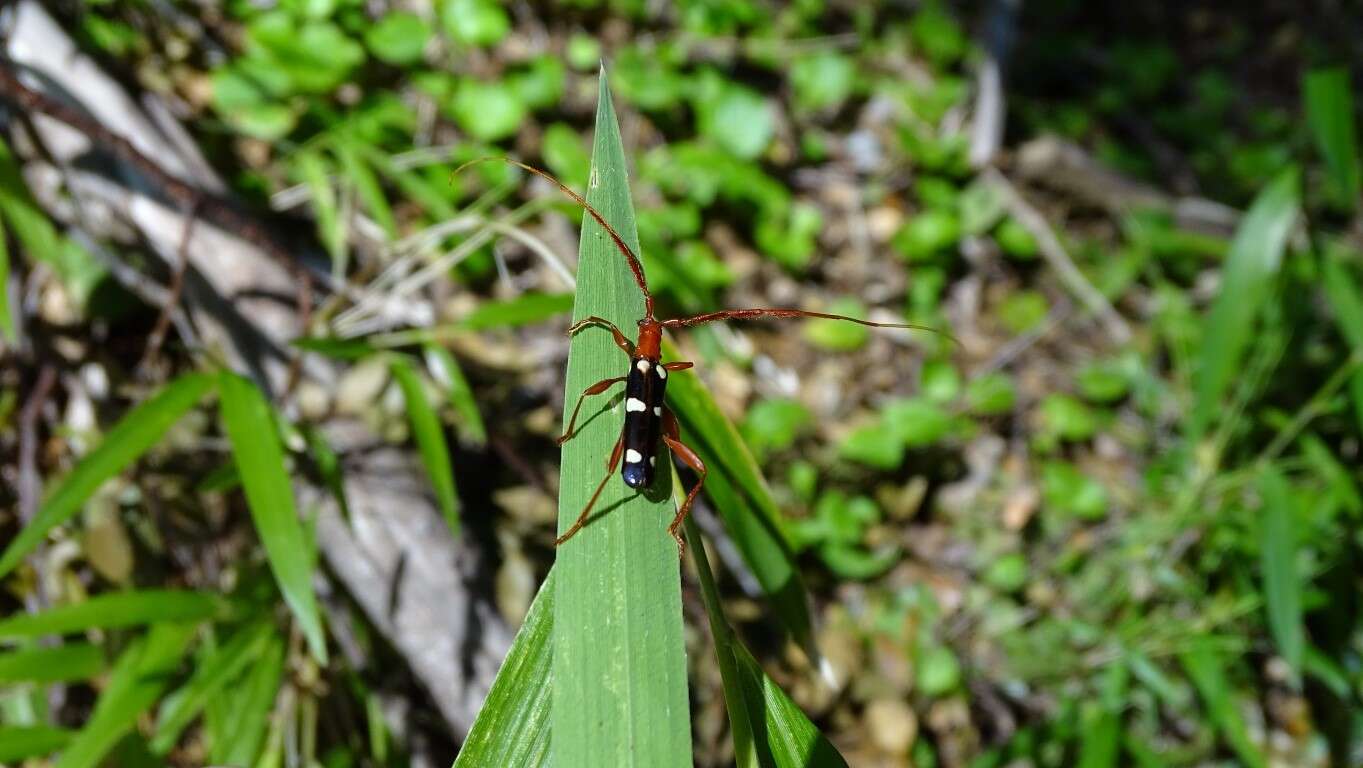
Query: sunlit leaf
620	687
1278	562
54	664
115	609
210	676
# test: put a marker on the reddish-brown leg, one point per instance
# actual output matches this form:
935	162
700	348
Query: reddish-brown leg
621	340
611	466
680	366
595	389
672	437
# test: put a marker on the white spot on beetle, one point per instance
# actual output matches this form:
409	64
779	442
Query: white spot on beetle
633	457
653	461
635	404
662	372
657	410
642	365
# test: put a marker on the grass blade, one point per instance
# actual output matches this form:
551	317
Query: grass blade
741	496
528	309
1246	280
430	441
1278	561
767	728
740	727
366	185
1347	304
6	319
139	430
1203	665
512	728
331	227
58	664
210	676
446	372
248	714
18	743
136	681
620	688
1330	113
249	425
118	609
793	740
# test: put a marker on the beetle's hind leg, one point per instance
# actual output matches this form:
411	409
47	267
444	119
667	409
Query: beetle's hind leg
595	389
672	438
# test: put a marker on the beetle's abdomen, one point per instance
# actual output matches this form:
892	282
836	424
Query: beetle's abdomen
643	420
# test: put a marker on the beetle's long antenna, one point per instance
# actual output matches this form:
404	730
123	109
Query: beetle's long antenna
751	314
634	265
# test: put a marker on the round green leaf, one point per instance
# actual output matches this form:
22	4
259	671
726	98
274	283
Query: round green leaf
487	111
398	38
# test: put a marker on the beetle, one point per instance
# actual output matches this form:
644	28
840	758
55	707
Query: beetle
647	417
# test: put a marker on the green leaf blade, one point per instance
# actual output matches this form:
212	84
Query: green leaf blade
115	610
136	681
620	686
1203	664
1330	115
249	425
430	440
1278	563
1255	257
56	664
133	436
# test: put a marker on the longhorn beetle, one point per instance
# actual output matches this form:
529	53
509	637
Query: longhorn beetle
647	417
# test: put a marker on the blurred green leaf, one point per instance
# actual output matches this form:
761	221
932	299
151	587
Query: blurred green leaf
366	185
939	672
735	118
991	394
927	234
1346	301
445	370
1023	311
136	681
18	743
1278	563
938	35
1066	418
1065	488
133	436
1007	573
331	228
540	84
249	423
1330	114
1246	283
211	675
940	382
487	111
873	445
246	707
566	155
512	727
6	318
430	441
822	81
114	610
54	664
475	22
916	421
852	563
398	38
1203	664
620	688
1016	241
774	424
839	335
38	237
527	309
1102	382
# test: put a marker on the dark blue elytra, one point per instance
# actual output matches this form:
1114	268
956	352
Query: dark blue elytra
644	388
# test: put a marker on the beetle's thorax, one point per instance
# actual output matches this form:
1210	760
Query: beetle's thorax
650	338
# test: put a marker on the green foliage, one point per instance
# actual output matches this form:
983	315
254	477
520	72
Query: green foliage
1330	113
430	440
